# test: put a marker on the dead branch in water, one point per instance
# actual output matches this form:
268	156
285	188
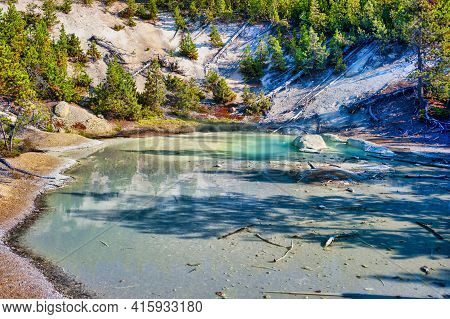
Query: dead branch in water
268	241
303	293
264	267
431	230
245	228
289	249
427	176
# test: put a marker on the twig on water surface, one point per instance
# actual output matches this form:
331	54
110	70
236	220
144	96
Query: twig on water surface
102	242
427	176
289	249
268	241
245	228
264	267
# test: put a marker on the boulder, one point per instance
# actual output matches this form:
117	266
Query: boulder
73	118
369	147
308	142
62	109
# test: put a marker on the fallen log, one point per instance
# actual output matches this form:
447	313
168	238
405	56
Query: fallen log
409	161
108	46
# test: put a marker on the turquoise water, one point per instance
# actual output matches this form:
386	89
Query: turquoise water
139	208
142	217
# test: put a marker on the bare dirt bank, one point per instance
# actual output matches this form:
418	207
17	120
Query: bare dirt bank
18	195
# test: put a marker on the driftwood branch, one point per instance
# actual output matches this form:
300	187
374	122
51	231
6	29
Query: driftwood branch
431	230
268	241
289	249
303	293
239	230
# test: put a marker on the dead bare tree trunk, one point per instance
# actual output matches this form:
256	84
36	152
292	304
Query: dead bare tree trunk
420	70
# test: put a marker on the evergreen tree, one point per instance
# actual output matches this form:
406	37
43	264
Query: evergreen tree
188	48
222	93
251	67
179	20
186	95
116	97
152	9
337	44
131	12
93	51
429	35
66	6
277	59
315	55
49	12
193	10
255	103
317	19
154	95
215	38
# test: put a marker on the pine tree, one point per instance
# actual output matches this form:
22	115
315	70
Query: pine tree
93	51
429	35
315	55
131	12
179	20
66	6
316	17
49	12
215	38
222	93
252	67
337	44
188	48
277	59
193	10
116	97
154	95
152	9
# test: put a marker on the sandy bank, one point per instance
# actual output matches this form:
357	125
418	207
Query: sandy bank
20	278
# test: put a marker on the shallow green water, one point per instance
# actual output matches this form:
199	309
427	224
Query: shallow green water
137	207
142	217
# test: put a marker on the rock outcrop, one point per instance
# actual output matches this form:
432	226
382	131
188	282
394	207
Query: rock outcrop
73	118
310	142
369	147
